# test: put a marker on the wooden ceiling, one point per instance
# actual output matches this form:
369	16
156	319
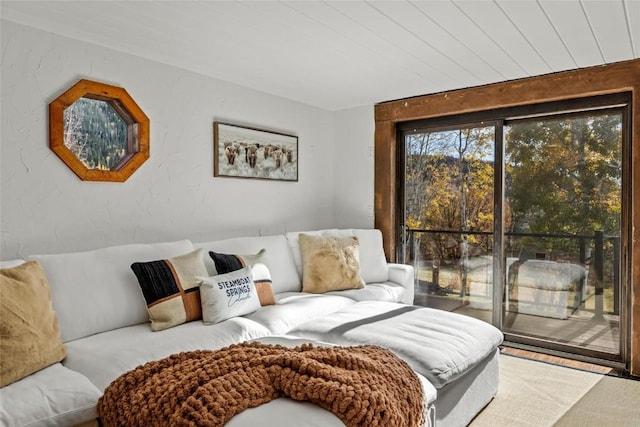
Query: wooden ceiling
342	54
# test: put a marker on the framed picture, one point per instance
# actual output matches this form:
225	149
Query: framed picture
243	152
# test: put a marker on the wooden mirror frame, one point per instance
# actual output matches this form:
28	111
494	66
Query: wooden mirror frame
137	130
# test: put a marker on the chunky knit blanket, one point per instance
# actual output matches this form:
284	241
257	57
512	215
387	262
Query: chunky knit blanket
363	386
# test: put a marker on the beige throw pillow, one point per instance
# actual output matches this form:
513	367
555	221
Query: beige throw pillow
330	263
29	332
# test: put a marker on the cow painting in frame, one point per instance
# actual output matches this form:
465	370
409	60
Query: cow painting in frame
245	152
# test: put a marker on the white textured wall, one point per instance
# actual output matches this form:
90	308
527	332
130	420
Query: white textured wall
354	167
45	208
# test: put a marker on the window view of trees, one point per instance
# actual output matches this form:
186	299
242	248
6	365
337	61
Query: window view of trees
449	186
564	177
95	133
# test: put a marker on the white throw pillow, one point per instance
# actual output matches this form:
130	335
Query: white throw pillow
228	295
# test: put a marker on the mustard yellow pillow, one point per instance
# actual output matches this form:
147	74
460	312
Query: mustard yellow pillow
330	263
29	333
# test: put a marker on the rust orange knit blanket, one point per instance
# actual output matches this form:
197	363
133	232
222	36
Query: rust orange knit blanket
363	385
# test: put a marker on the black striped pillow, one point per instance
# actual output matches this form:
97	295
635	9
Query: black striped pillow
171	290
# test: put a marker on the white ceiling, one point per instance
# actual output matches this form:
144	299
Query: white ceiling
341	54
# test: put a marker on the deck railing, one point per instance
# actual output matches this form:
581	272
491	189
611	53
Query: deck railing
595	263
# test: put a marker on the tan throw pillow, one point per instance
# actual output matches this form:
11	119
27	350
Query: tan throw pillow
29	333
330	263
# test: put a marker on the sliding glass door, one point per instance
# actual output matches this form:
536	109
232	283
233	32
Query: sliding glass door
516	217
564	192
449	186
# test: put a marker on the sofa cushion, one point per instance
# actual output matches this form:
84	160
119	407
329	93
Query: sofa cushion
103	357
388	291
226	263
440	345
404	275
96	291
170	288
228	295
294	308
28	324
280	260
11	263
66	398
373	262
330	263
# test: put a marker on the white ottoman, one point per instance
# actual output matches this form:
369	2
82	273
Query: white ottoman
457	354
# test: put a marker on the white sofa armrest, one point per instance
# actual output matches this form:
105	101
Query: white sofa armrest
403	274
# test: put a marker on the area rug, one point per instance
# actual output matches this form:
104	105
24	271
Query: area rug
611	402
539	394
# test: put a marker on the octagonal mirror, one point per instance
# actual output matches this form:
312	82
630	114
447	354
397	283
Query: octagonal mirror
99	131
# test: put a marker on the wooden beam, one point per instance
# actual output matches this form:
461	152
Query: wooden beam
385	186
605	79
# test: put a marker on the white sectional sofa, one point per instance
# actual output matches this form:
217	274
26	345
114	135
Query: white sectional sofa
104	325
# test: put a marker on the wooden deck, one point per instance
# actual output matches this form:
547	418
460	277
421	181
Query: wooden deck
581	329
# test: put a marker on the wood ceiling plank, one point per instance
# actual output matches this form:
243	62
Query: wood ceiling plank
493	22
346	34
570	22
534	25
451	18
388	68
378	24
632	8
336	54
318	53
446	38
396	73
608	23
437	44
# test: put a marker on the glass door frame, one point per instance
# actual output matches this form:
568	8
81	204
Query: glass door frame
497	118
